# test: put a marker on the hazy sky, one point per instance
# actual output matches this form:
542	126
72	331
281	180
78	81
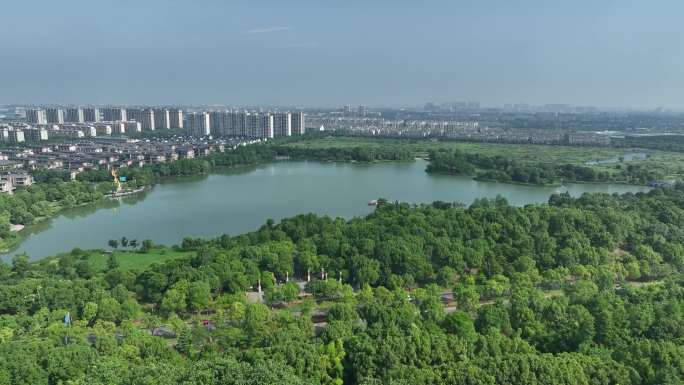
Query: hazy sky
325	52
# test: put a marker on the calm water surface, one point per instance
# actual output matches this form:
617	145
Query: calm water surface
240	201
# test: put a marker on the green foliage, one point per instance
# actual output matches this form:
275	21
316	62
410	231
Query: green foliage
577	291
505	169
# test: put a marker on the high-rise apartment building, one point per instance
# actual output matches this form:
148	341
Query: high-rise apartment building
260	125
298	123
242	124
238	122
132	126
15	136
198	124
218	122
36	116
162	119
144	116
54	115
35	134
91	114
282	124
74	115
114	114
176	118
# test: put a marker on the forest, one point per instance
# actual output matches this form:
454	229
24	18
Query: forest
506	169
663	142
581	290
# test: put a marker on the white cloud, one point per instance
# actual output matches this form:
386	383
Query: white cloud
266	30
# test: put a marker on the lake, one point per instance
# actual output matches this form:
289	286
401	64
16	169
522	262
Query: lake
242	200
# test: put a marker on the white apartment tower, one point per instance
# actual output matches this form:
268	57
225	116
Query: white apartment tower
74	115
198	124
36	116
162	118
54	115
175	118
114	114
91	114
298	123
144	116
260	125
282	124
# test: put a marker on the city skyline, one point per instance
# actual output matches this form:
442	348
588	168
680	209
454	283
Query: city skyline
613	54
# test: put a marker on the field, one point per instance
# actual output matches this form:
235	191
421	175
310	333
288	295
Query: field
132	260
671	164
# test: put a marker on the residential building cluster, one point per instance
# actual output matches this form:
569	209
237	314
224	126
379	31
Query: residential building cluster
87	122
84	122
244	124
76	156
149	118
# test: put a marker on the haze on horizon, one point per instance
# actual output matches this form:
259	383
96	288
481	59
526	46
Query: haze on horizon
323	53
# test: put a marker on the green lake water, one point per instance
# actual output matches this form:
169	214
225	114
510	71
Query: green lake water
239	201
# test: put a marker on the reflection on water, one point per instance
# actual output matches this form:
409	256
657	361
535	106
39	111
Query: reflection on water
85	210
239	200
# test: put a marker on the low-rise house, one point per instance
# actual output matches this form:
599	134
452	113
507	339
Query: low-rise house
5	187
18	179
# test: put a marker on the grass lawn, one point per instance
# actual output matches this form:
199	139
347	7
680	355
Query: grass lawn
131	260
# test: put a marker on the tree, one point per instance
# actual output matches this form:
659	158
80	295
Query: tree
199	294
89	312
112	262
467	298
84	269
113	243
147	245
108	309
21	265
460	324
176	298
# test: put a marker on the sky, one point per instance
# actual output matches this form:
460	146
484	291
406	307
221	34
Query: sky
611	53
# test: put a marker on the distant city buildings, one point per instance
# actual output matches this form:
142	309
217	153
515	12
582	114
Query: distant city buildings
298	123
176	118
54	115
144	116
162	119
35	134
36	116
77	121
114	114
282	124
244	124
451	129
91	114
74	115
198	124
